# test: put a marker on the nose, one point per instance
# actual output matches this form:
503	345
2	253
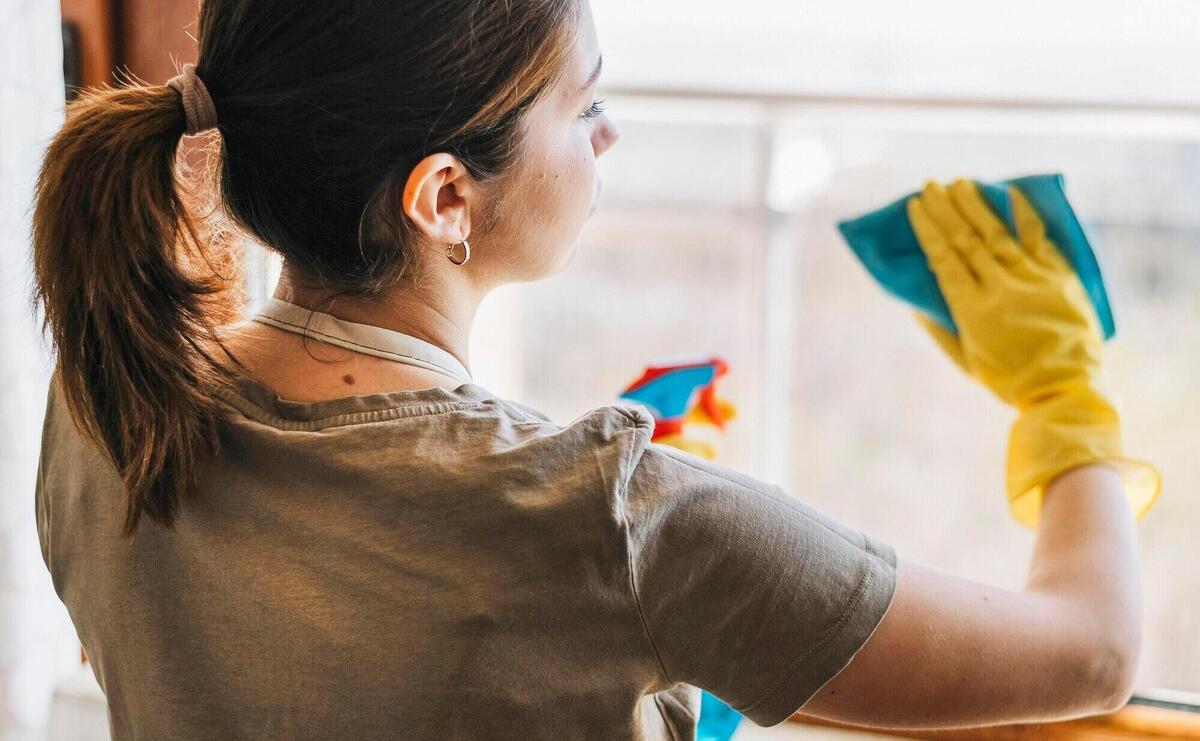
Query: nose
607	135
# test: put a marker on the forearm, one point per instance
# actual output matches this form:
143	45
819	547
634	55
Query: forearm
1086	560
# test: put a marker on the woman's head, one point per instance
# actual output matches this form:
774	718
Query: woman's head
358	140
330	113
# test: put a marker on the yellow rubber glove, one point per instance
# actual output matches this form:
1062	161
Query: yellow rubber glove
1029	333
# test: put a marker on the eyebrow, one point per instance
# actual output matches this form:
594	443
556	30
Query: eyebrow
595	73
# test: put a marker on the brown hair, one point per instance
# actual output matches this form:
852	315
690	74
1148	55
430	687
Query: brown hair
323	109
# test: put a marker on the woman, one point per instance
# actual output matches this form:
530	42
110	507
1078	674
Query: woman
348	538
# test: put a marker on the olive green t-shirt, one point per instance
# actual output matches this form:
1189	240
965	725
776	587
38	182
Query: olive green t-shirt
440	564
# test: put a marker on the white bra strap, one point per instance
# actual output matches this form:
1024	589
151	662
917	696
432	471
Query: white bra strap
364	338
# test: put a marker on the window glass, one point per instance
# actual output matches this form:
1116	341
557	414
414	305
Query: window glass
846	402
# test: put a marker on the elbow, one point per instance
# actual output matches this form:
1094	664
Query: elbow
1120	688
1113	668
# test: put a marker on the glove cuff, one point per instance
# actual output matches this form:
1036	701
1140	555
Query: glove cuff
1076	426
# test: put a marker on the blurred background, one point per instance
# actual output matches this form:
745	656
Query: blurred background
748	130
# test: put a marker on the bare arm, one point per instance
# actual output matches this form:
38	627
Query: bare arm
951	652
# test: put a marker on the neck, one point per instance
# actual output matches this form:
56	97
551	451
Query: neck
440	311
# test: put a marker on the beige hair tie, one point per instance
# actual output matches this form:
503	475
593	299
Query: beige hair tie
197	103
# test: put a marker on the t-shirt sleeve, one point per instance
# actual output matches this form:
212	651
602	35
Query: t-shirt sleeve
744	590
41	505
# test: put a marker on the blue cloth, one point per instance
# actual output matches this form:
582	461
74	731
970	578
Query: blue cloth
718	721
885	243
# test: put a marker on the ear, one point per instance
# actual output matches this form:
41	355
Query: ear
438	196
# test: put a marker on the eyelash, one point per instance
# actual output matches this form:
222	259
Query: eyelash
596	109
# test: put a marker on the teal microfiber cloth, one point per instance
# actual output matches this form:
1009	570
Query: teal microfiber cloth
885	243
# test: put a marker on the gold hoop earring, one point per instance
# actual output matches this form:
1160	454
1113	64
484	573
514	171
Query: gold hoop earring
450	253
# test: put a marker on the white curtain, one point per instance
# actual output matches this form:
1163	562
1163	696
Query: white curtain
38	644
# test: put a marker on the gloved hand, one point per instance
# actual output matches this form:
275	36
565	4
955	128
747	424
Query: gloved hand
1029	333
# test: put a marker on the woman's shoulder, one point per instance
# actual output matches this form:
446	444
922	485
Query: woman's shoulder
605	442
606	421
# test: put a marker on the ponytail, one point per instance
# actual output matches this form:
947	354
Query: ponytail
130	296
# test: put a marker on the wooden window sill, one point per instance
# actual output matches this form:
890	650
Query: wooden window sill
1153	714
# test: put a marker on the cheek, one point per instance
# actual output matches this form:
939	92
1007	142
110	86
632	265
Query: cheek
585	167
566	178
576	168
